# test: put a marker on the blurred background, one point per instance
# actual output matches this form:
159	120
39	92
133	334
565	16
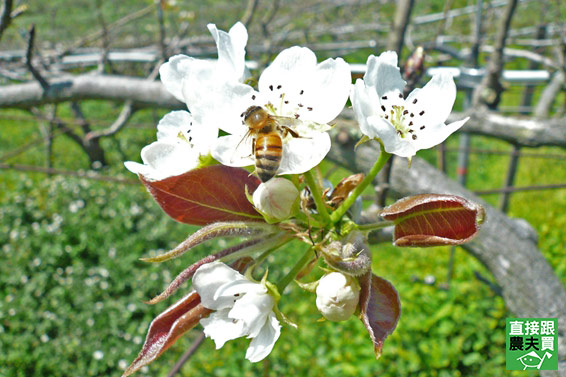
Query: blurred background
74	222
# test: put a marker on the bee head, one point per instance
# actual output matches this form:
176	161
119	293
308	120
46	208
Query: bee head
255	116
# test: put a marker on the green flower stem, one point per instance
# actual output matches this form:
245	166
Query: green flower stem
305	259
271	246
317	196
373	226
346	204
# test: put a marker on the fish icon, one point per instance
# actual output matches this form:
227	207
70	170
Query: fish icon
533	360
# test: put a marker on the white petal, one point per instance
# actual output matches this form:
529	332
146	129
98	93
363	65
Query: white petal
295	85
287	66
180	126
234	150
437	134
209	277
253	309
220	328
173	72
365	104
436	98
326	91
302	154
220	105
393	143
231	51
172	123
165	158
383	75
263	343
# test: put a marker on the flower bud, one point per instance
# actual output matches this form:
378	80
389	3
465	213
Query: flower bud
350	256
337	296
276	199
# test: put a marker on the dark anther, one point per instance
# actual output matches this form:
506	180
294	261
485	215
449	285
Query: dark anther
414	137
386	116
412	115
278	86
405	112
411	131
382	107
253	97
309	108
281	95
414	101
400	95
286	102
301	105
422	128
384	97
190	138
302	91
242	114
270	87
421	113
410	123
296	116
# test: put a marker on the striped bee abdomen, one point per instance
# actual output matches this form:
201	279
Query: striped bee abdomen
268	152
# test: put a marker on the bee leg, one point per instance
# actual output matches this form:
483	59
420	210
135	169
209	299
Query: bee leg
287	130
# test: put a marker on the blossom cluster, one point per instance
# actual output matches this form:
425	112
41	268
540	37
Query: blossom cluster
278	130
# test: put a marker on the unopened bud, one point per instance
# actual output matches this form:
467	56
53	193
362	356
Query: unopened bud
276	199
350	256
337	296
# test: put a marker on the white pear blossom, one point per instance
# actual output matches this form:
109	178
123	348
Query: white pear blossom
179	147
242	308
230	65
276	198
337	296
305	94
182	141
404	125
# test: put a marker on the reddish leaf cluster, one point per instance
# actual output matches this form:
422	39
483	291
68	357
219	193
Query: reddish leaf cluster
380	308
434	220
207	195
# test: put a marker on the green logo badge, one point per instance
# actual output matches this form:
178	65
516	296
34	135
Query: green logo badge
532	343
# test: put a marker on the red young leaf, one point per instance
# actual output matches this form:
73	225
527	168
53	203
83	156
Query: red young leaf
380	308
167	327
434	220
207	195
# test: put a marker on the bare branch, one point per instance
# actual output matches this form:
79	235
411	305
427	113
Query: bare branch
402	17
142	92
249	13
100	33
490	89
526	132
127	111
162	44
29	54
5	16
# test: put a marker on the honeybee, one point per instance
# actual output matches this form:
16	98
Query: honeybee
268	132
